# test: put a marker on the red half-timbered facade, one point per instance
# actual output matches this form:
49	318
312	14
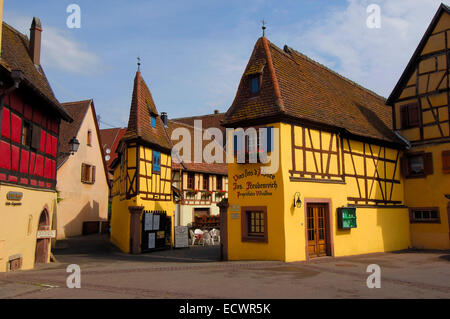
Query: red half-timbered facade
28	143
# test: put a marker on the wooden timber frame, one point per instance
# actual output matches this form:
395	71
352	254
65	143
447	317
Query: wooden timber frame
430	83
338	152
130	187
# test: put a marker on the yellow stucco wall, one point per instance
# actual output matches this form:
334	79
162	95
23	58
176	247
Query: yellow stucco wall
154	183
19	224
378	230
82	202
429	192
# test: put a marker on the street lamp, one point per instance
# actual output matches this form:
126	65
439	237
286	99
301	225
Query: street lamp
73	147
74	144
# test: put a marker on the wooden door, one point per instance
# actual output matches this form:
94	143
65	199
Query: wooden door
317	229
42	244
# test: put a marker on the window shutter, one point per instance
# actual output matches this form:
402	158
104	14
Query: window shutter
404	164
404	116
93	174
413	112
36	137
428	163
83	170
269	141
446	161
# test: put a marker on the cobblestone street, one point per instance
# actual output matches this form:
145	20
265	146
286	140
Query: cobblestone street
197	273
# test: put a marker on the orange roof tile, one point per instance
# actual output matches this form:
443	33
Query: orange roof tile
294	87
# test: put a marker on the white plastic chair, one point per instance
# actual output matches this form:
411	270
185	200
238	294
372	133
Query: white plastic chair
207	238
193	238
215	234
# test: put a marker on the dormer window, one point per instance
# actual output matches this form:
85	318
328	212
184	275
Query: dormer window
255	84
153	121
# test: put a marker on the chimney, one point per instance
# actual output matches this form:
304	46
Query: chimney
1	25
164	119
35	41
216	111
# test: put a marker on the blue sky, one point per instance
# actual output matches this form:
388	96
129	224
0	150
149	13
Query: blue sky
194	51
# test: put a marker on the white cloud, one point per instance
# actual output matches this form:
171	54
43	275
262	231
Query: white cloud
375	58
59	49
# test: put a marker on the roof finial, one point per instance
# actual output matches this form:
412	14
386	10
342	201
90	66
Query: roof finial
263	27
139	63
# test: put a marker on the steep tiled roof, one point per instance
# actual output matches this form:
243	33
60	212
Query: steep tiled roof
139	123
15	56
296	87
110	140
203	167
77	111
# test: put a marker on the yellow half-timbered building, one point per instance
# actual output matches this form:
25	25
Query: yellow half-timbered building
142	178
420	104
334	184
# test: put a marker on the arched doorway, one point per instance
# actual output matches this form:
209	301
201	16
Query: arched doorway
42	244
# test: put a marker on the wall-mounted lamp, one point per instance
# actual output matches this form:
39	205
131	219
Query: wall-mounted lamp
297	200
73	147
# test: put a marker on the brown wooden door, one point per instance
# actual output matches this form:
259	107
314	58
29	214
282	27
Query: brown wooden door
317	230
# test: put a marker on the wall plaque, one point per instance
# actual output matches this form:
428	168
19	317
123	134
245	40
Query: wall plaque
46	234
235	208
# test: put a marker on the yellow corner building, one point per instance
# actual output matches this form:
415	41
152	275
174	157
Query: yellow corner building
338	188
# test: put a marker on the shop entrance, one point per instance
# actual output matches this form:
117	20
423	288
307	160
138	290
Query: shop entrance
317	222
42	244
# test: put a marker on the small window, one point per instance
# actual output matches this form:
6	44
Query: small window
219	183
254	224
409	115
89	138
156	162
191	180
254	83
87	173
424	215
205	182
26	134
446	162
153	121
417	165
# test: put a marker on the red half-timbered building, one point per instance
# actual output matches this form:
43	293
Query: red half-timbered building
30	117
